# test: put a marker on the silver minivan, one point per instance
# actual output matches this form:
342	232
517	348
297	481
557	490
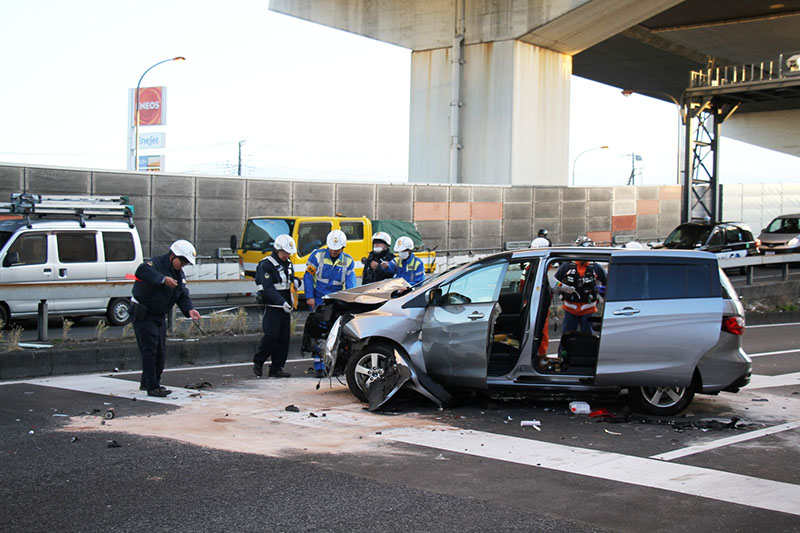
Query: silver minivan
67	250
668	324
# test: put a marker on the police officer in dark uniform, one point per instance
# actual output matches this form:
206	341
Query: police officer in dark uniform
159	285
274	276
380	253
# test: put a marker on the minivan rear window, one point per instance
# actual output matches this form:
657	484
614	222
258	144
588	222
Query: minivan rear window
118	246
76	247
654	281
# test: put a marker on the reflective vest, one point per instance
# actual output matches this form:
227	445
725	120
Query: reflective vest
584	300
412	270
324	275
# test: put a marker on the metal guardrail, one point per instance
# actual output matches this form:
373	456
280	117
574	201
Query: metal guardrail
784	67
760	260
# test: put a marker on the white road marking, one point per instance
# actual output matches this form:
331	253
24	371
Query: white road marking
205	367
707	483
773	353
764	382
774	325
750	435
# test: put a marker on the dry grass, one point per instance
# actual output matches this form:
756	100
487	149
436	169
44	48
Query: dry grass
100	329
66	326
12	342
127	331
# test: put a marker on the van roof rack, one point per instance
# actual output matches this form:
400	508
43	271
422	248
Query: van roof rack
82	207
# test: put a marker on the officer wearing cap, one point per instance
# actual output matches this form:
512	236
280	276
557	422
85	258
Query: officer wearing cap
274	277
328	270
380	253
159	285
406	265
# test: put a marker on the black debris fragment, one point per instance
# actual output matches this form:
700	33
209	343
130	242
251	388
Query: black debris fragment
114	444
74	439
312	415
293	408
200	385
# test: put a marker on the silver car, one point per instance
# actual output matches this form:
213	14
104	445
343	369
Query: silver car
666	325
781	236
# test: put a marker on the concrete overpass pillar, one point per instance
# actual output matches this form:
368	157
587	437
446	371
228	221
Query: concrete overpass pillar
514	115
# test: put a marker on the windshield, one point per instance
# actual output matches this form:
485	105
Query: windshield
783	225
4	236
688	237
260	233
427	282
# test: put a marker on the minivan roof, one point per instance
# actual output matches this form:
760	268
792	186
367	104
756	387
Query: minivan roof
600	251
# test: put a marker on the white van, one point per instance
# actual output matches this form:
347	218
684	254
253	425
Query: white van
60	240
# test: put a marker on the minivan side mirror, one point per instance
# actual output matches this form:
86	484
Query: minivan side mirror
435	296
11	259
234	243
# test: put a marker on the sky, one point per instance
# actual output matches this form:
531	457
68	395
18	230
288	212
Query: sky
310	102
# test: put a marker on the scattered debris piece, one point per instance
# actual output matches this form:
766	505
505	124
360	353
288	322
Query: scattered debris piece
116	369
379	432
613	433
441	457
59	414
114	444
601	413
312	415
293	408
580	408
30	432
200	385
759	400
535	424
74	439
509	418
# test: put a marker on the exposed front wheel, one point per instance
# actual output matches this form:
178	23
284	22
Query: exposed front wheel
663	400
365	366
119	311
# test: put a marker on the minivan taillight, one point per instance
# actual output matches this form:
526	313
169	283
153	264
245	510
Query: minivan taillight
733	324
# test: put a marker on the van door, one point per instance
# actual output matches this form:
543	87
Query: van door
456	330
77	259
27	259
661	316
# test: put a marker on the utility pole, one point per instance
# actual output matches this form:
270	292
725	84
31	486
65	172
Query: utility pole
239	171
632	177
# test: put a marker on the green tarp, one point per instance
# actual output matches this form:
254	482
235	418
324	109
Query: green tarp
397	229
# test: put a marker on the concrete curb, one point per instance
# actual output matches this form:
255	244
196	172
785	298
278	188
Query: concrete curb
758	319
80	358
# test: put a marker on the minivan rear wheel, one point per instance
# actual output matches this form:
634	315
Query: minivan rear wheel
120	311
663	400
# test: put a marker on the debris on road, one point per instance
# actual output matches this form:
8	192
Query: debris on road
292	408
601	413
535	424
200	385
580	408
114	444
612	433
74	439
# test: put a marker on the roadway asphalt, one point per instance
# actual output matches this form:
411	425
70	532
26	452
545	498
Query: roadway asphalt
232	458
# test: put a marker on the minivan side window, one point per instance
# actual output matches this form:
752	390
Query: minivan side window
661	282
31	247
476	287
118	246
76	247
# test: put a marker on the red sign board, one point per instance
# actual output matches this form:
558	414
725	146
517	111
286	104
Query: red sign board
151	106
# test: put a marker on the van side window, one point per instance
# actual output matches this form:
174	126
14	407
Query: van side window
354	231
76	247
31	247
118	246
661	282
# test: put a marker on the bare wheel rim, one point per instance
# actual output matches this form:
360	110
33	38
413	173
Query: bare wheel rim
121	311
663	396
370	367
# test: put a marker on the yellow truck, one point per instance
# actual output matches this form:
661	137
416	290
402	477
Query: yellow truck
309	233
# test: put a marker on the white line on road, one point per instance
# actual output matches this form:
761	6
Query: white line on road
750	435
774	325
704	482
759	381
772	353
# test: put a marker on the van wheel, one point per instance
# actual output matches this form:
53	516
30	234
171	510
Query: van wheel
662	400
120	311
366	366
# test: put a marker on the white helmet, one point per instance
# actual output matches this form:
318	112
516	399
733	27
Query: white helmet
383	237
336	240
285	243
540	242
633	245
403	243
182	248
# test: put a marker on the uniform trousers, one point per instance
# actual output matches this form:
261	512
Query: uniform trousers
151	336
275	343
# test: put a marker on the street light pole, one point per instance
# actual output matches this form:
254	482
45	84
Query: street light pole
136	109
681	113
580	154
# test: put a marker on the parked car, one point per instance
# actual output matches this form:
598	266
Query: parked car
781	236
725	239
58	241
670	326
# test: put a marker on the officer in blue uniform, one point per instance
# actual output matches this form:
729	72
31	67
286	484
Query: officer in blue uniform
327	271
406	265
274	277
159	285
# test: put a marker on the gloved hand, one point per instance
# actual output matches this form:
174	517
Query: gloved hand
287	307
297	283
568	289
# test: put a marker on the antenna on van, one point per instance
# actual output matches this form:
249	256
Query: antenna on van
38	205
